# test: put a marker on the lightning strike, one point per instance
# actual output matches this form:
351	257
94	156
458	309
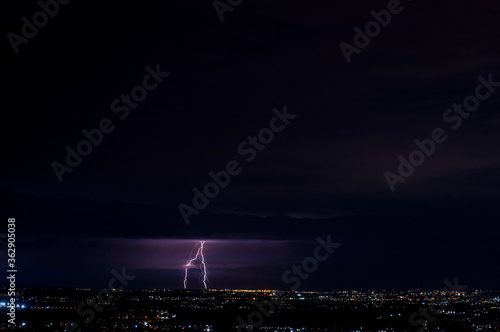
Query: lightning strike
203	265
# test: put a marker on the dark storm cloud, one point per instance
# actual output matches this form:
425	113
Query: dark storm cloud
225	79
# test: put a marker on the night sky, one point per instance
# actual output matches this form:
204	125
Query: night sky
322	174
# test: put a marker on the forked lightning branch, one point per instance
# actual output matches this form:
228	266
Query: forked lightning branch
203	266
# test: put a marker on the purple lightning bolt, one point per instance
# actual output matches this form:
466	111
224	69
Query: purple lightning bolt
203	265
